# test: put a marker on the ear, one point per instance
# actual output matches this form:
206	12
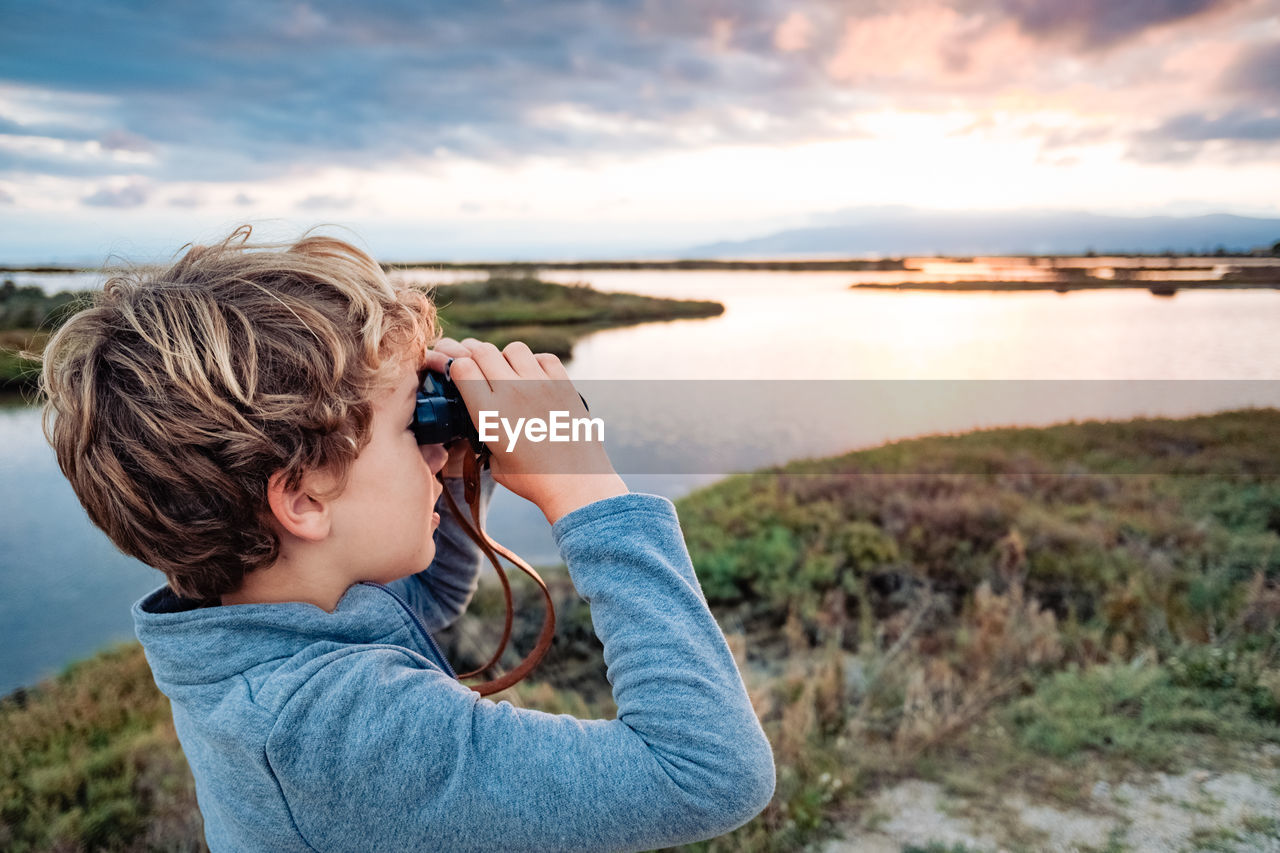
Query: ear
296	510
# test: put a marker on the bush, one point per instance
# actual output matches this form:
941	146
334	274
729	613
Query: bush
1135	712
91	761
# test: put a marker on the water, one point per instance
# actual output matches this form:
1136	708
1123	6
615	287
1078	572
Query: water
956	361
811	326
64	589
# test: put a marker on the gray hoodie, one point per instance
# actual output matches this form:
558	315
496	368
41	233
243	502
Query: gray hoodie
309	730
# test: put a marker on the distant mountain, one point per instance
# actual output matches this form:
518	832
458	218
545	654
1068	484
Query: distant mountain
897	231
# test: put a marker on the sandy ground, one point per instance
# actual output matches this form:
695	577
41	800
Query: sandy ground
1197	810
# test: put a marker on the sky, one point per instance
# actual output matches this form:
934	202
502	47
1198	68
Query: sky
482	130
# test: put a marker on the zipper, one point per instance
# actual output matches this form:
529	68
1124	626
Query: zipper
423	628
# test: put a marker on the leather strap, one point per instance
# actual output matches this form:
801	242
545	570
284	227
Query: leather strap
471	490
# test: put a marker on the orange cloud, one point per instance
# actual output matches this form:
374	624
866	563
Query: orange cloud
933	44
793	33
903	43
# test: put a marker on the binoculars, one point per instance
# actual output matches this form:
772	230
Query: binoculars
440	416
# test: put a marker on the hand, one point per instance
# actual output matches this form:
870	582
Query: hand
558	477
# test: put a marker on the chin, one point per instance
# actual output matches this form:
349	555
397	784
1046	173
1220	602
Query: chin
394	576
403	573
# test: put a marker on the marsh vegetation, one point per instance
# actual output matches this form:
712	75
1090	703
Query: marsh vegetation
549	317
1055	609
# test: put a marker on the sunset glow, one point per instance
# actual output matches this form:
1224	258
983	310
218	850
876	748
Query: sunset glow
501	132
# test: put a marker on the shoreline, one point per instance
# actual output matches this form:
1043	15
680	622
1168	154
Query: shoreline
1156	286
837	264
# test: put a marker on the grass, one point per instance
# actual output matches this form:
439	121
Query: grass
1059	606
1115	841
1105	596
951	512
1252	834
1137	713
1262	825
523	301
16	372
549	317
91	761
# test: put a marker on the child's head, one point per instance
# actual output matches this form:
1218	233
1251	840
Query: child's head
176	395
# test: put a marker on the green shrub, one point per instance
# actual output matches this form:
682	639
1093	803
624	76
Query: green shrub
936	847
90	761
1134	712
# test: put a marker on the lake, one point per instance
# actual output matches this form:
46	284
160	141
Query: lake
798	365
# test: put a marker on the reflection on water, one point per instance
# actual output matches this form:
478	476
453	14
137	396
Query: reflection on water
811	326
64	590
916	269
54	282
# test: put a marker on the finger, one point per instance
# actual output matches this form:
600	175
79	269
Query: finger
471	381
451	347
520	357
490	360
437	357
551	366
436	361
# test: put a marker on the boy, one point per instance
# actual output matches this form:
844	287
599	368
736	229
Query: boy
239	422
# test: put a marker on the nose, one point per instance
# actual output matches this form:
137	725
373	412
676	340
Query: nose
435	455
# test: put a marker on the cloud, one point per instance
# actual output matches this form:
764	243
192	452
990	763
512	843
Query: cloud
6	197
239	88
241	91
1094	24
1241	134
130	195
244	200
123	140
926	51
326	202
1074	137
911	42
793	33
1236	126
188	202
996	44
1256	74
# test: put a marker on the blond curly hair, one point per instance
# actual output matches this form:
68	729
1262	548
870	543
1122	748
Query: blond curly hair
173	398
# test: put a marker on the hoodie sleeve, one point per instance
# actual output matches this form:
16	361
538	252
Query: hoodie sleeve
440	593
380	751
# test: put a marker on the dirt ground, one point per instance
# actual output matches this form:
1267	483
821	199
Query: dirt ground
1200	809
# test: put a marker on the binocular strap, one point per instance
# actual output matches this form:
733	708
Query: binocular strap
491	549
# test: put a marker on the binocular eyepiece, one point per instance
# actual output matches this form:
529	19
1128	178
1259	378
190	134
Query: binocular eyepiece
440	415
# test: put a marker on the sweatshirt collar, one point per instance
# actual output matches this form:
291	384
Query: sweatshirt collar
187	643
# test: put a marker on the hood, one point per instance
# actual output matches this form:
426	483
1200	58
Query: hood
187	643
